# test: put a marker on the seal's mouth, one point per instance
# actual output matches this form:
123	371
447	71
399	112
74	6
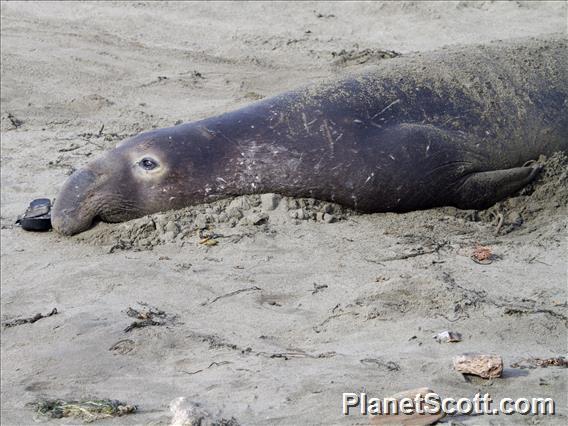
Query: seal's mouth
73	210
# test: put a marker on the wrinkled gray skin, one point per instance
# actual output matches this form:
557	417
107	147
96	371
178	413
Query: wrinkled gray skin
452	127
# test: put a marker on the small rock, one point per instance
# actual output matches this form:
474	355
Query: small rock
171	227
145	242
201	221
447	336
293	204
328	218
253	200
161	221
169	237
269	201
482	255
486	366
515	218
257	218
234	213
240	203
299	214
319	216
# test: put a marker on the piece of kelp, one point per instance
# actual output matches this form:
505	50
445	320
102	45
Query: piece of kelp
87	410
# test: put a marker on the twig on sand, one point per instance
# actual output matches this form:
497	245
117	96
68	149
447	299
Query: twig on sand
319	327
500	221
296	354
233	293
418	252
318	288
31	320
524	311
213	364
141	324
534	259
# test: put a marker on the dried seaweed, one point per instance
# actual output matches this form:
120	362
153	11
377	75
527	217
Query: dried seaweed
87	410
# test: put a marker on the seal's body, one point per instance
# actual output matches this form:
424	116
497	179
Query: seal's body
452	127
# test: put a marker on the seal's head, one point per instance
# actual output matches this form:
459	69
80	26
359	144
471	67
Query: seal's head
142	175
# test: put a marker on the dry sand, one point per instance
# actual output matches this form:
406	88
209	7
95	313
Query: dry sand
287	311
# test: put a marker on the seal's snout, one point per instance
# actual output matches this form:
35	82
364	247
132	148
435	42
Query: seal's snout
72	212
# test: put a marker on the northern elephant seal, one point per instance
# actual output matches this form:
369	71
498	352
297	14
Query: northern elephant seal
452	127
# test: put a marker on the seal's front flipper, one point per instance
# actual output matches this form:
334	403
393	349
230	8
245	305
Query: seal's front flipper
483	189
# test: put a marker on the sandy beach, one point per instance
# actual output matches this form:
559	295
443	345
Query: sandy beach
286	310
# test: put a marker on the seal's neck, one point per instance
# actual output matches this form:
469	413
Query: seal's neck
255	155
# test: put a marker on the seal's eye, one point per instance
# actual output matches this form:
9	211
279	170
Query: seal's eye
148	164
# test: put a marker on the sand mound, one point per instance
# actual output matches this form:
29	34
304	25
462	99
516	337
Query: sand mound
209	222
